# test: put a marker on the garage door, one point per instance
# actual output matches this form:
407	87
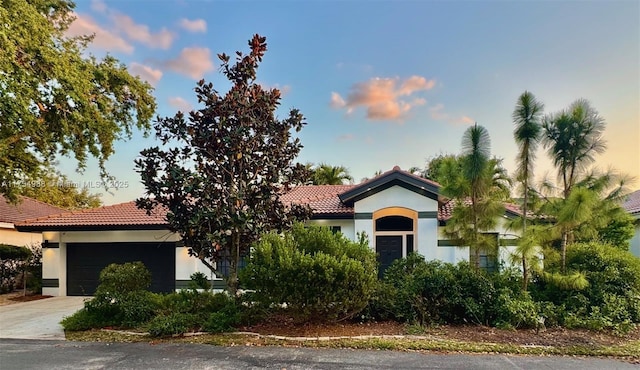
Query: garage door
86	260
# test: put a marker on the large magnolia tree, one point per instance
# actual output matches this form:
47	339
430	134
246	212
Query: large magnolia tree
56	100
221	169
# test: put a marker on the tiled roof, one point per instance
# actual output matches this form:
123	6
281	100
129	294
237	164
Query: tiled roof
123	214
446	209
26	209
323	199
632	203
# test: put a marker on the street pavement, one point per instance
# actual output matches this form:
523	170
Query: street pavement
38	354
39	319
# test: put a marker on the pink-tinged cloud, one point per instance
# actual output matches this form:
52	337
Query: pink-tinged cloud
196	25
384	98
180	103
191	62
141	33
437	113
147	73
84	25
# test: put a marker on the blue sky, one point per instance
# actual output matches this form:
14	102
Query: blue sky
385	83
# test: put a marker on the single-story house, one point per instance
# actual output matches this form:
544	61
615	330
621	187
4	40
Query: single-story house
27	208
400	213
632	205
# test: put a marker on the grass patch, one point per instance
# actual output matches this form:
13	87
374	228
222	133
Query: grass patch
628	351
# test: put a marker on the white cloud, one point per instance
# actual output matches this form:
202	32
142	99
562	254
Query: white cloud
140	32
147	73
180	103
196	25
437	113
192	62
84	25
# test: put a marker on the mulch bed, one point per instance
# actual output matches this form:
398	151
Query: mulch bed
17	297
558	337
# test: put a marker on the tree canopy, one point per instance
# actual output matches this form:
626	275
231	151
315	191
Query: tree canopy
228	163
326	174
56	100
52	187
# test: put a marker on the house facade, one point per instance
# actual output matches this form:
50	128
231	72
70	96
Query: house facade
398	211
632	205
27	208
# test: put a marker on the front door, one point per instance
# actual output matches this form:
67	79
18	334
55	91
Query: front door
389	249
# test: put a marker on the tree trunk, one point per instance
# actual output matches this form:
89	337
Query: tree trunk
525	273
232	279
565	236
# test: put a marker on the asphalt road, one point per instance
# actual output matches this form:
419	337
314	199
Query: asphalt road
26	354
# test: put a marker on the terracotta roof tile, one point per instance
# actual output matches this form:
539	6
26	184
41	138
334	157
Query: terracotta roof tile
323	199
632	203
123	214
26	209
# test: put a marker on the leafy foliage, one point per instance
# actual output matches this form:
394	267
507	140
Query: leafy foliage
478	186
325	174
55	100
316	274
427	292
222	194
120	299
12	263
52	187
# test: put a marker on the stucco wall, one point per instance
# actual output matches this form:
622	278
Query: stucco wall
396	196
346	226
11	236
426	235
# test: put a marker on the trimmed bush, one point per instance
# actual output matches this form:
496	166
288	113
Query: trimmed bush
120	300
316	274
171	324
428	292
123	278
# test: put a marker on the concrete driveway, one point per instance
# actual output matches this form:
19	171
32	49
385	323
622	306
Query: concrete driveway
38	319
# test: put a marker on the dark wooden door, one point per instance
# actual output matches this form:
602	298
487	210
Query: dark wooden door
389	249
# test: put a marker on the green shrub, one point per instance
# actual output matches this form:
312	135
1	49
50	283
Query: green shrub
123	278
610	300
13	261
172	324
427	292
314	273
199	281
220	322
81	320
120	299
516	311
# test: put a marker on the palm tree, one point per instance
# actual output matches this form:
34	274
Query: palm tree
572	138
527	117
331	175
476	194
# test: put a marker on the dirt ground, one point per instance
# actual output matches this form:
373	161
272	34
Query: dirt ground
549	337
16	297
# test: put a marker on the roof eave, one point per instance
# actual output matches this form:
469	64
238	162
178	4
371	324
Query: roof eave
383	182
41	228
